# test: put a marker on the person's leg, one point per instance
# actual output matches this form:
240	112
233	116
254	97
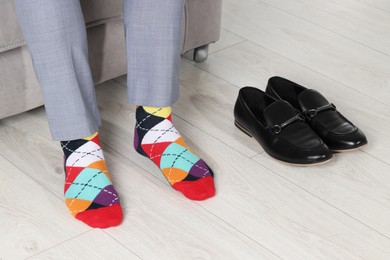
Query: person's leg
152	29
56	38
55	35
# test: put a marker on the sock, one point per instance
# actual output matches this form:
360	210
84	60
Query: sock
156	137
89	193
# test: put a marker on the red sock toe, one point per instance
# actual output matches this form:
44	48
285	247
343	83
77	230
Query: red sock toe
102	217
197	190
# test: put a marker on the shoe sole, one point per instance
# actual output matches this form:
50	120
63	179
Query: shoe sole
349	150
245	131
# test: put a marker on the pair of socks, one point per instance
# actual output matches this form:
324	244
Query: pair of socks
89	193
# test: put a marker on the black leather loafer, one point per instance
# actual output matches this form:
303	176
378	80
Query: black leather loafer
339	134
279	128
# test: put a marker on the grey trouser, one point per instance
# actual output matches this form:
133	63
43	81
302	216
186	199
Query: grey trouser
56	38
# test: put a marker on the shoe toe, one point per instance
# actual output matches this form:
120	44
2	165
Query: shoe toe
307	157
346	142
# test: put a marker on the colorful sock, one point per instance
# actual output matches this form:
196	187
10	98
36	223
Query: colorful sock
156	137
89	193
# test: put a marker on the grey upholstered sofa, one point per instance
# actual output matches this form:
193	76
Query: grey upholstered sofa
19	89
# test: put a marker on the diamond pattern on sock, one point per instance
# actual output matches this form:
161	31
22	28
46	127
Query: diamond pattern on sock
88	190
156	137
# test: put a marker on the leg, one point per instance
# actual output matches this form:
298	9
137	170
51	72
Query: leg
56	39
153	30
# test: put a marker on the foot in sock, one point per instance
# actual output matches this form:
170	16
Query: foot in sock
156	137
89	193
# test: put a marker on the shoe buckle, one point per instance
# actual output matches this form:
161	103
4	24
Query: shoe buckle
311	113
300	117
276	129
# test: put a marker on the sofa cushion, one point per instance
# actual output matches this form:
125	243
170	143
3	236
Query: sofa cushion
95	12
10	34
19	89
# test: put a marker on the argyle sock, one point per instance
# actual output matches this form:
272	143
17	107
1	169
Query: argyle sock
89	193
156	137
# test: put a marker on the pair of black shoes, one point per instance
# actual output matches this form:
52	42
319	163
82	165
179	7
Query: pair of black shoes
294	124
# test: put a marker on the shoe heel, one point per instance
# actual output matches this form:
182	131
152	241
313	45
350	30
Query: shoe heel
242	128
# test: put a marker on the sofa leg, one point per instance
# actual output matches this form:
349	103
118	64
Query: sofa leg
201	53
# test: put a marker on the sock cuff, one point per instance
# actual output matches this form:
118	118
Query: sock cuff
91	136
163	112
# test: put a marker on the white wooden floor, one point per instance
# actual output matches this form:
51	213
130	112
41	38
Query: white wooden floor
263	209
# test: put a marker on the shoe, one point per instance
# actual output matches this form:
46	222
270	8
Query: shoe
279	128
338	133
